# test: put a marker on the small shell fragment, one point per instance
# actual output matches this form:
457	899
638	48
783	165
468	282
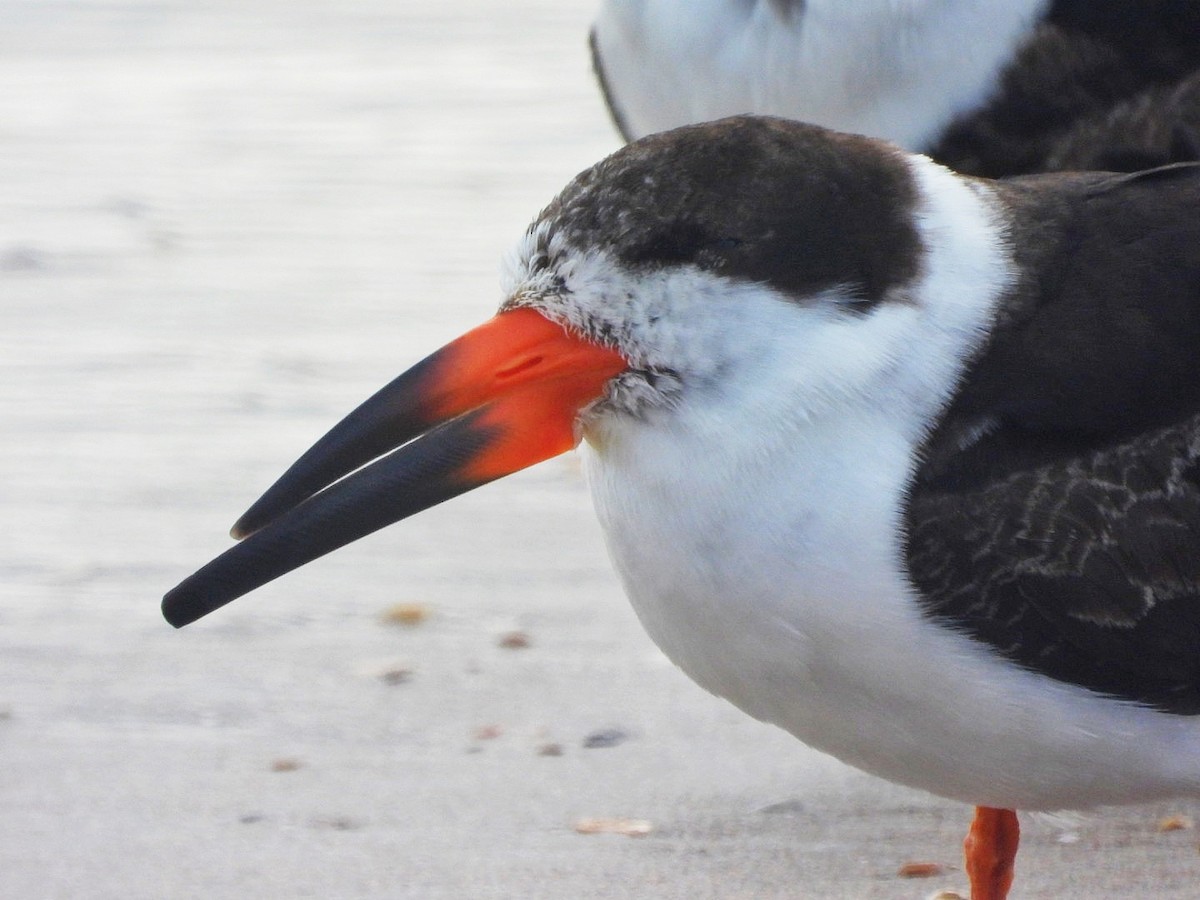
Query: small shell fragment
488	732
514	640
946	895
921	870
409	614
627	827
286	764
1176	823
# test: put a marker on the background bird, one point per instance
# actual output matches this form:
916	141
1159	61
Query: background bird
905	463
990	87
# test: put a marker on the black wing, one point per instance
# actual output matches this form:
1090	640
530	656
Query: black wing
1056	515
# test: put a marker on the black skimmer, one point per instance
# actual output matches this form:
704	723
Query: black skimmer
902	461
989	87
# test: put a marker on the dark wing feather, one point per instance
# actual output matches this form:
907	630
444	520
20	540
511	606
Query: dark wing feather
1100	84
1056	515
1086	569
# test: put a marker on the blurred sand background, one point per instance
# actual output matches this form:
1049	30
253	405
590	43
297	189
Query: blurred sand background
222	225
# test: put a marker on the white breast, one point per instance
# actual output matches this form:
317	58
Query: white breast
894	69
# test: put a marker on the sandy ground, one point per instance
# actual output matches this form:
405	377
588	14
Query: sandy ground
222	225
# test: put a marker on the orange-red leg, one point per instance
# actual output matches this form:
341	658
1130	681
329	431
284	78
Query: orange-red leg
990	851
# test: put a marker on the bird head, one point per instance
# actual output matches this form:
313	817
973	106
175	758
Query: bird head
752	262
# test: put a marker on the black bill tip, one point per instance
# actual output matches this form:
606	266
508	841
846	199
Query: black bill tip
413	478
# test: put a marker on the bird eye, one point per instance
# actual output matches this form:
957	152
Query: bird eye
678	242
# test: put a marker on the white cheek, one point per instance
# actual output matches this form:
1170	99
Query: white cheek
712	329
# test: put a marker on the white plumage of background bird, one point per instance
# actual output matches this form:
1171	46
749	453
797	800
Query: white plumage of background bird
988	87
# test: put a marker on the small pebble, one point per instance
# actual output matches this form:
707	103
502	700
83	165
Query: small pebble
398	675
514	640
488	732
550	749
251	818
286	764
607	737
946	895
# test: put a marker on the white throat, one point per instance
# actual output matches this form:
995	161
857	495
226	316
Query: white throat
900	70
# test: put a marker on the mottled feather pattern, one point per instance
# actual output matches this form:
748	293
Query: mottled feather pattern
1085	569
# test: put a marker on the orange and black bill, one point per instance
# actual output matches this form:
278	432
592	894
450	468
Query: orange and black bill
498	399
